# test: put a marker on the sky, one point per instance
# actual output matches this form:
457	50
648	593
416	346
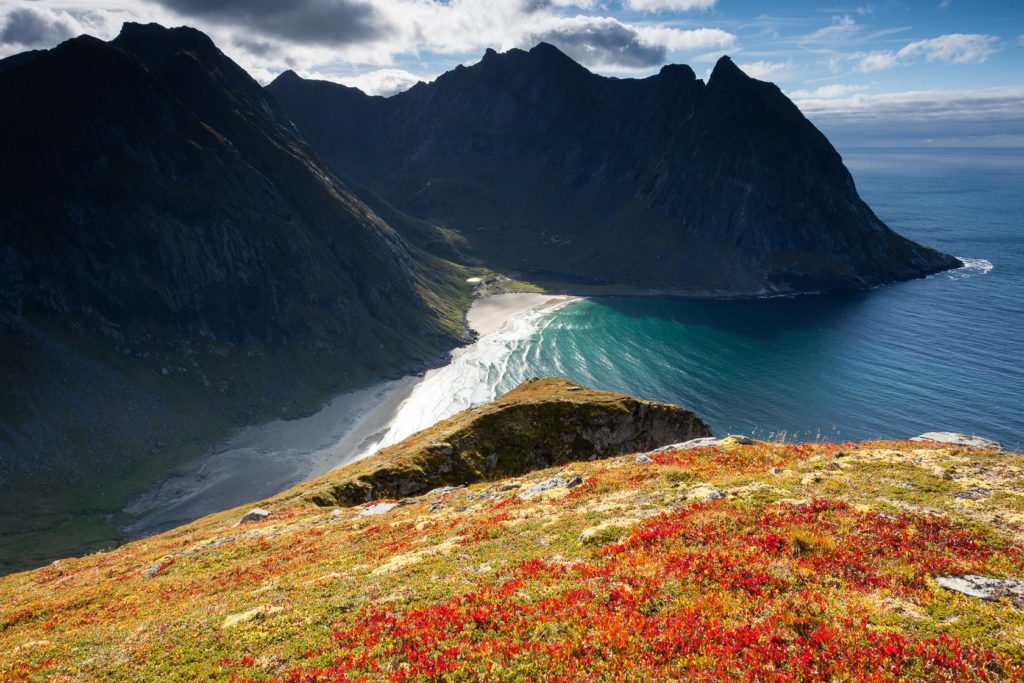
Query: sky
928	72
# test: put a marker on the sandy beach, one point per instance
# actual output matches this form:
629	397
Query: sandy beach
489	314
262	460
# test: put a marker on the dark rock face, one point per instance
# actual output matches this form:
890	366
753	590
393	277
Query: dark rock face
175	260
721	188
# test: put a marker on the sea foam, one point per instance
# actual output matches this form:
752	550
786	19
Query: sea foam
971	267
477	373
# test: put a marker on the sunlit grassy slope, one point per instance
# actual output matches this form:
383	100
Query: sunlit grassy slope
726	562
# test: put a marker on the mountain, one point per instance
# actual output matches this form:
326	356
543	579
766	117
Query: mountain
704	560
707	189
176	263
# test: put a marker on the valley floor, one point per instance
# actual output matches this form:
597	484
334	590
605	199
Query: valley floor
726	562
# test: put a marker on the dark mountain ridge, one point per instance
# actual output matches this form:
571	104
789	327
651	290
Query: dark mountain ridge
176	262
707	189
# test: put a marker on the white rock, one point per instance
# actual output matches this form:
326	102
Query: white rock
547	485
984	587
377	509
958	439
254	515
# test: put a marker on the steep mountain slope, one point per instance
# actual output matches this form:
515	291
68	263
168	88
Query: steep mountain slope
176	262
667	182
713	560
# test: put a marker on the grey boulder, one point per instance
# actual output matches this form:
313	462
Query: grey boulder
957	439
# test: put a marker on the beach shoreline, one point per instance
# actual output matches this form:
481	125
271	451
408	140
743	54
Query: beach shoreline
490	313
261	460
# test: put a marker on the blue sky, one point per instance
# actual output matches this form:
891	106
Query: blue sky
927	72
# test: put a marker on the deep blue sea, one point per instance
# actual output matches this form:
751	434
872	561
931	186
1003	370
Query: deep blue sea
944	353
941	354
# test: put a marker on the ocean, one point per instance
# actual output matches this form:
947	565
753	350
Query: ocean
944	353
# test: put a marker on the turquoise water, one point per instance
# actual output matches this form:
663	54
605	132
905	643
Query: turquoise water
944	353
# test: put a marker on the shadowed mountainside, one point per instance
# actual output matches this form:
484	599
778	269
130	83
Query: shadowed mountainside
176	262
716	189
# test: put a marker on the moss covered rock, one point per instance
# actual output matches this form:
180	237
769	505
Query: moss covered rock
540	423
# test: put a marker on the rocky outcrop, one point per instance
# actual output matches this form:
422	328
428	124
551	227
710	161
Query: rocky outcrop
541	423
985	587
720	188
957	439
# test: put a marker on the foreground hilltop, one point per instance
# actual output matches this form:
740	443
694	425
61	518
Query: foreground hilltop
716	188
708	559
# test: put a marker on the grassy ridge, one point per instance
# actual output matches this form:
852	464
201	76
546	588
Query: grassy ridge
764	561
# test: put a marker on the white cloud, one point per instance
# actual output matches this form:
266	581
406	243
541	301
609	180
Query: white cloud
828	91
382	81
403	31
877	61
764	71
671	5
675	39
953	48
919	105
842	27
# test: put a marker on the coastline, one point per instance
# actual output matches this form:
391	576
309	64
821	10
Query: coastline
262	460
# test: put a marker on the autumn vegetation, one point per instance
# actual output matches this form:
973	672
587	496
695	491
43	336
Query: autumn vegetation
763	562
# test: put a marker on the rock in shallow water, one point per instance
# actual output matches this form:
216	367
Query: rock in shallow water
958	439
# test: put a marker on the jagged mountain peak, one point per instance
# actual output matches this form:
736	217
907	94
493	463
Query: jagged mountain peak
152	38
723	190
726	71
287	76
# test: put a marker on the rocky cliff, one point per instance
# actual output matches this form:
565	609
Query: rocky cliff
704	560
175	262
720	188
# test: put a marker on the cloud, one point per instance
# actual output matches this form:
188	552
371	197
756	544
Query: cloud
765	71
602	42
1003	104
953	48
828	91
842	27
384	81
607	43
691	40
322	22
330	38
35	28
670	5
964	118
877	61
